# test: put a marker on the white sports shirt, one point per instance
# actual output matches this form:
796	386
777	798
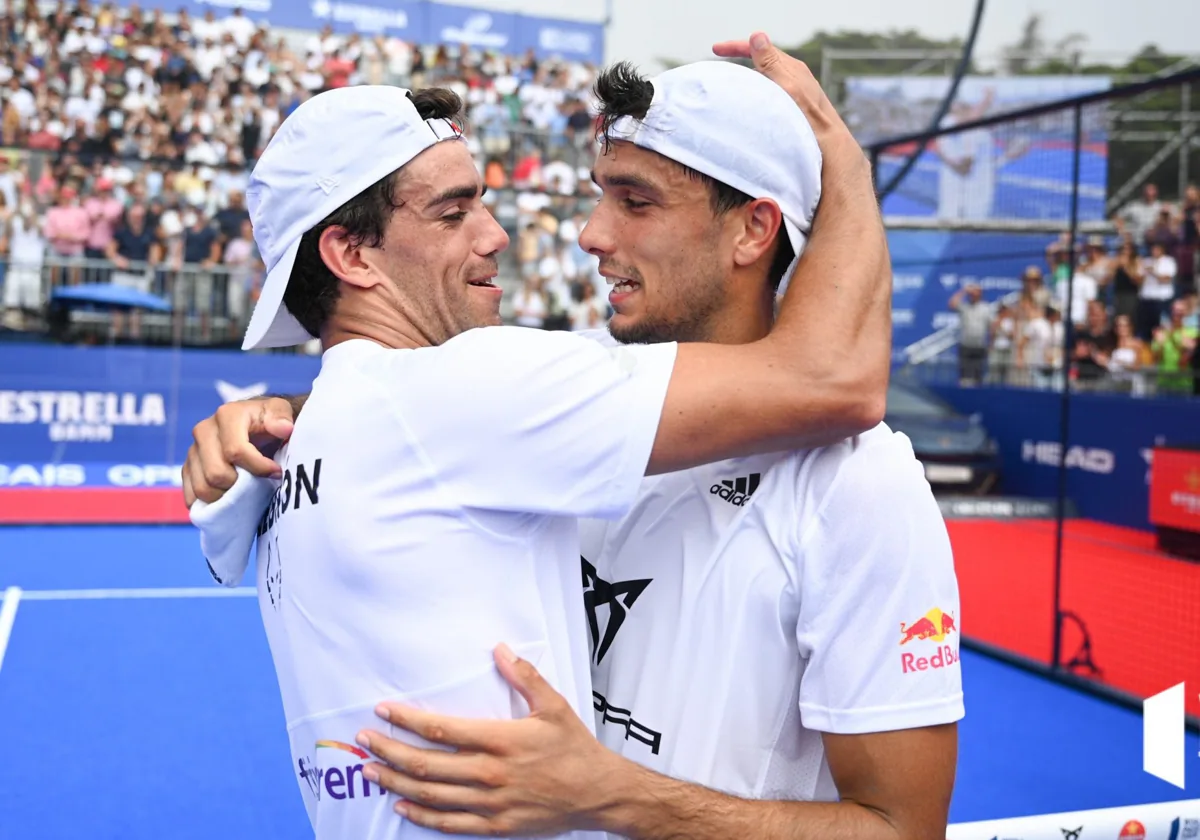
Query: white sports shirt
426	514
740	609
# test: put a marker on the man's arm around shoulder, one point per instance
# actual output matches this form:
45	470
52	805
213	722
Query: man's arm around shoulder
821	375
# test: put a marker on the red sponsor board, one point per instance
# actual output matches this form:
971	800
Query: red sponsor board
1175	489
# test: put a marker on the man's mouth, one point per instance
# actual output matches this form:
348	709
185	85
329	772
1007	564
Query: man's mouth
483	282
622	285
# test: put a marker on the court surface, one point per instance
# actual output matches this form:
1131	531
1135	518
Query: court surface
138	701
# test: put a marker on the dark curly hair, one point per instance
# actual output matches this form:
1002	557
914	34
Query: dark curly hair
623	92
313	290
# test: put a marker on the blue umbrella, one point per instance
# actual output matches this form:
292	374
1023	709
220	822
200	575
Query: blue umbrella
110	294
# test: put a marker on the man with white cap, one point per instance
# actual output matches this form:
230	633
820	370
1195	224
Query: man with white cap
780	628
747	237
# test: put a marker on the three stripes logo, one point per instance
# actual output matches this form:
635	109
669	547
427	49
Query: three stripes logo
737	490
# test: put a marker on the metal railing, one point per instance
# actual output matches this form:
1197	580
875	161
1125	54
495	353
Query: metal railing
999	370
98	301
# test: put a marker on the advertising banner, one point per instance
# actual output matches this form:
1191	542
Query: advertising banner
423	22
1019	170
1175	489
75	416
1110	448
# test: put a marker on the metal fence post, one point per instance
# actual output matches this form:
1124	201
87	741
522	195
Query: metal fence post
1065	413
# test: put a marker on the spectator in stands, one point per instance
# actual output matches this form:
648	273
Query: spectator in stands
1003	341
104	211
588	311
1173	347
1080	285
1129	356
1033	286
1164	232
26	249
1033	345
1126	280
230	218
975	318
1140	215
1189	244
133	248
9	182
201	251
67	228
1156	291
1055	369
1097	264
529	304
1094	344
241	257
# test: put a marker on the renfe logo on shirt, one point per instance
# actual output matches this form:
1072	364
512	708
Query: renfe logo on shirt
339	783
934	626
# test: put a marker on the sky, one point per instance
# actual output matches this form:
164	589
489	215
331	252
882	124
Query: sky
645	30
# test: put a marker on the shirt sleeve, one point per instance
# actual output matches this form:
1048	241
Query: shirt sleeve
879	620
538	422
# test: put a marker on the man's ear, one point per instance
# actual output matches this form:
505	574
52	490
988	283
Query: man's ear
761	220
346	258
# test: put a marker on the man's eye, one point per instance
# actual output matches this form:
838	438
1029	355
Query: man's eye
635	205
455	217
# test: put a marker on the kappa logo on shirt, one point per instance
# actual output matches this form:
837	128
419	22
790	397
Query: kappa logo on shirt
737	491
619	598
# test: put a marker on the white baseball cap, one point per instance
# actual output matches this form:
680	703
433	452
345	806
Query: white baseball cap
328	150
738	127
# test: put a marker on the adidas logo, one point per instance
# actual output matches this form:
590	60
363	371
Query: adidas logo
736	491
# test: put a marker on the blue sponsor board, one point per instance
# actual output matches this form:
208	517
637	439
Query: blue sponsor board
1109	451
928	267
76	405
424	23
90	474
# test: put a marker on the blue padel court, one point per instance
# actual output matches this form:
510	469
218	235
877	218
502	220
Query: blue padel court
138	701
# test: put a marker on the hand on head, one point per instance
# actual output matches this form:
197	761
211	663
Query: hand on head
792	75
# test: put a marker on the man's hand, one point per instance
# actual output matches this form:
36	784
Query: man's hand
236	436
543	774
792	75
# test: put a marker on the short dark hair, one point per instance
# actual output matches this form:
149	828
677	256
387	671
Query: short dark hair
623	92
313	290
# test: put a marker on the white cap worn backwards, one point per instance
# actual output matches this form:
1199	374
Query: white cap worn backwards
329	150
736	126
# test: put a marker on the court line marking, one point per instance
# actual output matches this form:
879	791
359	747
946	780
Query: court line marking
121	594
8	614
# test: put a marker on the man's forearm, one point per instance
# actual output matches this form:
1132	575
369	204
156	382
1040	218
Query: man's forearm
649	806
834	322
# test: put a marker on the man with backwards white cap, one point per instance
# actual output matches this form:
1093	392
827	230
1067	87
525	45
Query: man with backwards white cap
643	189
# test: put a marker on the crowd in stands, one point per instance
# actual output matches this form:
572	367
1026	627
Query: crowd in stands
125	142
1133	307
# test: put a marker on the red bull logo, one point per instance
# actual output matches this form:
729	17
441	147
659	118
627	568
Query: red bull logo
934	626
1132	830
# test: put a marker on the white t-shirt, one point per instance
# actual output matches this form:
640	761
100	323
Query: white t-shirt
1159	282
427	514
968	196
740	609
1084	292
1038	336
